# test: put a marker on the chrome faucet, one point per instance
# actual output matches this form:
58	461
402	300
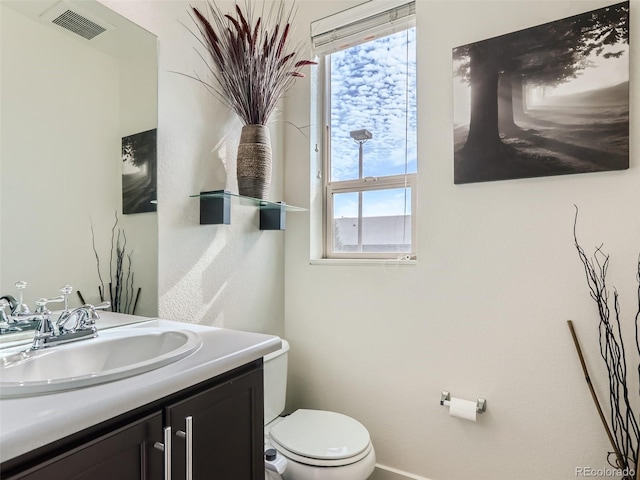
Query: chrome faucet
5	326
72	325
21	309
8	301
19	317
17	307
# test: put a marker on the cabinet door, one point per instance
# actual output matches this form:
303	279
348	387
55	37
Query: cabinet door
227	431
124	454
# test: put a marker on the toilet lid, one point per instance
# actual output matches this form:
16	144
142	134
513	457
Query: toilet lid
321	435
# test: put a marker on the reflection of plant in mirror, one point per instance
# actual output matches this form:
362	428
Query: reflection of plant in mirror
121	289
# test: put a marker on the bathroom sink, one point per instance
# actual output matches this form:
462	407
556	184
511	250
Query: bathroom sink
115	354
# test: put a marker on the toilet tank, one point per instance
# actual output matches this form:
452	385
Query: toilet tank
275	382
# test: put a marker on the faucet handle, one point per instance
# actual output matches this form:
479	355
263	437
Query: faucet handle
21	308
45	329
93	315
101	306
4	319
81	318
90	320
66	290
41	304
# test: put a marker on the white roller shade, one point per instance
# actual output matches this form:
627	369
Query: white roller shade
362	23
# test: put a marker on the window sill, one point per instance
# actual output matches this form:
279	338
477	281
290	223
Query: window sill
355	262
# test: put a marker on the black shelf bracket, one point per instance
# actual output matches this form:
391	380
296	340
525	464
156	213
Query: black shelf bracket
272	217
215	210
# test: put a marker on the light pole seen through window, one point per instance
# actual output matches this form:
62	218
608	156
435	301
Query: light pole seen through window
360	137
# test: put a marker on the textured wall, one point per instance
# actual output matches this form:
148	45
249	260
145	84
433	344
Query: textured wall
231	275
483	313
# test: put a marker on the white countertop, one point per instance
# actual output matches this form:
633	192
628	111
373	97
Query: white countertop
30	422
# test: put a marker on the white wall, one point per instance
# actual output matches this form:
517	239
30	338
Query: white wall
483	313
139	113
52	141
222	275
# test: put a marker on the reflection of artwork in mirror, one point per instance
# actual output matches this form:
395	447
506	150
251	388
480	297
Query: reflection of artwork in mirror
139	171
549	100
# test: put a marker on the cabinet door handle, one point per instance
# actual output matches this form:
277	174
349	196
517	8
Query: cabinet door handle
189	446
166	448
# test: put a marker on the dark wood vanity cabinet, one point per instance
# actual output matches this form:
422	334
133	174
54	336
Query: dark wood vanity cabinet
124	454
227	431
227	420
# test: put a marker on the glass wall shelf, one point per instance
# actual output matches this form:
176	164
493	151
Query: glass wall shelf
215	209
249	201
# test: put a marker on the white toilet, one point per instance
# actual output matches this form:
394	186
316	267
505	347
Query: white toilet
310	444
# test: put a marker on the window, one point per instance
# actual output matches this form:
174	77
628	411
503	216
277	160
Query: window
369	136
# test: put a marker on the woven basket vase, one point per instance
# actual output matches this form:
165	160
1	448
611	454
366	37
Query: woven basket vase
254	161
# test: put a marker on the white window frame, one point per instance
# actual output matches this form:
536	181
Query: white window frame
364	185
407	180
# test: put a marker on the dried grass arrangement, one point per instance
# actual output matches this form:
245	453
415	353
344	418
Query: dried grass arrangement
251	59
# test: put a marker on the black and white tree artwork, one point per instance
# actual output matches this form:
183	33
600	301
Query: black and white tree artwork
139	172
549	100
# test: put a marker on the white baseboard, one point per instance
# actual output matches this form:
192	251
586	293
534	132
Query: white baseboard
382	472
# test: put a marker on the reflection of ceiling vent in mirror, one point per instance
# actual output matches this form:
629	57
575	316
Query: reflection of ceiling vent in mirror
79	24
71	18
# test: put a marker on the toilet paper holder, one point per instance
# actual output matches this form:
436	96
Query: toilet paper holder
481	403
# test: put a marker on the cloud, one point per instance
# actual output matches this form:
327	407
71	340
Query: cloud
373	87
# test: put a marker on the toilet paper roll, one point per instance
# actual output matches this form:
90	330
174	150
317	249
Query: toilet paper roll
463	409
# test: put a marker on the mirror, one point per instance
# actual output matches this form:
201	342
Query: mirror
66	103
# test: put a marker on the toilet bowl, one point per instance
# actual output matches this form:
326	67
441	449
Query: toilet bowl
317	444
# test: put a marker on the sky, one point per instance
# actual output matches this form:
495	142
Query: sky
369	84
373	86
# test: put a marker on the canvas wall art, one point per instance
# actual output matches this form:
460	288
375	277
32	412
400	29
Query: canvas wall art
549	100
139	172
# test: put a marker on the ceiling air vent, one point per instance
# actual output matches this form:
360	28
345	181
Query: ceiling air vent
73	20
78	24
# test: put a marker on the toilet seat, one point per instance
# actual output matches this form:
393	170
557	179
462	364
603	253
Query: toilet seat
321	438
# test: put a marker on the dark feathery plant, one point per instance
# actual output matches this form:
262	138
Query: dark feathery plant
251	61
623	424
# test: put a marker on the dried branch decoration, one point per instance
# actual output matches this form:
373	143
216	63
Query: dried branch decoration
121	289
251	65
623	423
